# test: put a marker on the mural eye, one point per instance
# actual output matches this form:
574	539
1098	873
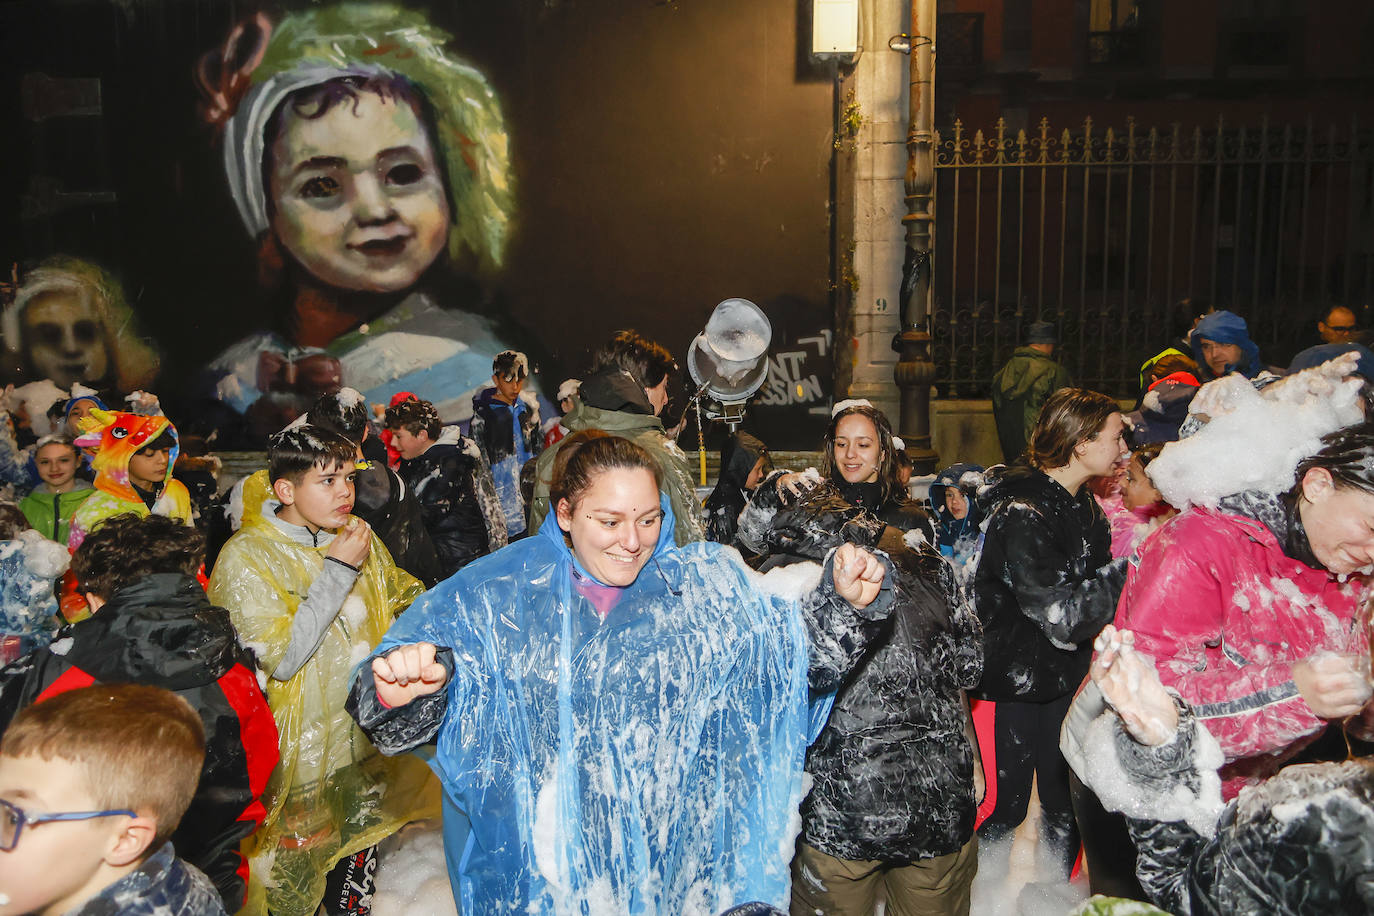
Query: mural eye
406	173
119	432
318	187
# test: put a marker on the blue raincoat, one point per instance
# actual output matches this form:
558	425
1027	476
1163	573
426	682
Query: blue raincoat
650	762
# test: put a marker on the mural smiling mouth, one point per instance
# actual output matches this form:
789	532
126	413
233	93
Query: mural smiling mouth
382	248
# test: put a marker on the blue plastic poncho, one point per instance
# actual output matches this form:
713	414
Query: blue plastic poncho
647	763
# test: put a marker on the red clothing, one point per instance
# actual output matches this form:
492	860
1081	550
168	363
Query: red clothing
1225	614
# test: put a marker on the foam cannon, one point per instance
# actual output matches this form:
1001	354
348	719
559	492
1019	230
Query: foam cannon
728	362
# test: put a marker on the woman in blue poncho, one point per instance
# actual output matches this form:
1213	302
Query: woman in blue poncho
620	724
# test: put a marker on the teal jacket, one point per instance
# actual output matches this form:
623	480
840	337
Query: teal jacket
1019	390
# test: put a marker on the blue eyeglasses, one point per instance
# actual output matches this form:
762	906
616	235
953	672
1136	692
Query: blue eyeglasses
13	820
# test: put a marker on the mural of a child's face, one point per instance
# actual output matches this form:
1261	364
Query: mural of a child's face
357	195
65	338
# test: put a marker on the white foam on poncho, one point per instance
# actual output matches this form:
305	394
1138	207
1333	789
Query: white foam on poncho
1254	439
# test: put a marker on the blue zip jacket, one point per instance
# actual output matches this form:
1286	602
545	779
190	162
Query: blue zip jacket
650	762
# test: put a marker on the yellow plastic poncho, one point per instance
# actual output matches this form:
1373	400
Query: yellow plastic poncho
332	794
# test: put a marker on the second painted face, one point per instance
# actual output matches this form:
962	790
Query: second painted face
858	450
357	195
65	339
614	525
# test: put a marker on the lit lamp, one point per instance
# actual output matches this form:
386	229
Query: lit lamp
835	28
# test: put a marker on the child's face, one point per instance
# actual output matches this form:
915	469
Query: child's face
56	465
65	338
408	444
80	411
323	498
148	469
1138	492
756	473
956	502
508	391
57	865
358	198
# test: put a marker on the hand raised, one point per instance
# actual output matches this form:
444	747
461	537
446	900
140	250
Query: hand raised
408	672
353	543
1132	687
858	575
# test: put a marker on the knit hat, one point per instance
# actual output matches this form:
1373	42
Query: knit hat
1042	332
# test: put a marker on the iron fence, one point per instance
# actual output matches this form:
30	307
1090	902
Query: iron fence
1121	237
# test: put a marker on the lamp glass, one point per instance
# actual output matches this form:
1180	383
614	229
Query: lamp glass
835	26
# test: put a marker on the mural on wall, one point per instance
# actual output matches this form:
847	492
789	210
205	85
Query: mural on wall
361	157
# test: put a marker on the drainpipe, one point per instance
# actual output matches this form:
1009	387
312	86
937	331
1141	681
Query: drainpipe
915	371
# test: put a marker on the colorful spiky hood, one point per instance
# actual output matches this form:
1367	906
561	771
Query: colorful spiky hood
117	437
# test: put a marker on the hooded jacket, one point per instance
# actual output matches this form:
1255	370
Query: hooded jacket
163	885
737	459
957	538
118	436
1301	843
390	508
508	435
1220	600
647	762
901	710
51	513
459	502
161	631
331	795
1225	327
613	402
1019	390
1044	586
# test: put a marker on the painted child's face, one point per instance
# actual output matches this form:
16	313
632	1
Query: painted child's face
65	339
358	198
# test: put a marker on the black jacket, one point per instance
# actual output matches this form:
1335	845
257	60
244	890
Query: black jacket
737	458
393	513
1045	585
893	767
445	481
1300	843
163	631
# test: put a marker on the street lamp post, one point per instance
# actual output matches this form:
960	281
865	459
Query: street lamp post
915	371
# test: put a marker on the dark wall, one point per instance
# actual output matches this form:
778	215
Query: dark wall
667	156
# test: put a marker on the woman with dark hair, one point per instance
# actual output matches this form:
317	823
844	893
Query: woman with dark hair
1251	610
620	724
1044	586
865	832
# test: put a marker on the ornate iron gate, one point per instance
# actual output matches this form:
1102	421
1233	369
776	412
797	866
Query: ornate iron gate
1107	233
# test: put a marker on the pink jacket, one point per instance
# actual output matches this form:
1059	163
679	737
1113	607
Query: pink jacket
1226	613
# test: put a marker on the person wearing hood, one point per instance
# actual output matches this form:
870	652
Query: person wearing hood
152	624
133	471
553	427
744	463
624	395
459	502
51	505
1221	344
505	426
1045	585
953	496
620	724
1021	387
1163	410
901	710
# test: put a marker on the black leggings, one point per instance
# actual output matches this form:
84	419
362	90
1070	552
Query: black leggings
1027	745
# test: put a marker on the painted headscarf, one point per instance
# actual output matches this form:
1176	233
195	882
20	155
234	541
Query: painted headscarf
245	83
117	437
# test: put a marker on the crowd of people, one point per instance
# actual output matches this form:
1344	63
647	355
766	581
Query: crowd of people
817	690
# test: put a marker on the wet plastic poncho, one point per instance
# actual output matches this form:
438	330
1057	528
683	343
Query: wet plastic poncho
332	794
647	763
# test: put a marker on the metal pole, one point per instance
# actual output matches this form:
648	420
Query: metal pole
915	371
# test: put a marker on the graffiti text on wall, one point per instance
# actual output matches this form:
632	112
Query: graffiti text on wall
789	381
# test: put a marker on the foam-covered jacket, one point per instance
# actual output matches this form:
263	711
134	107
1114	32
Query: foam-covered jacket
458	500
390	509
162	885
1220	602
508	435
30	566
957	538
1301	843
162	631
1044	587
901	710
631	750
